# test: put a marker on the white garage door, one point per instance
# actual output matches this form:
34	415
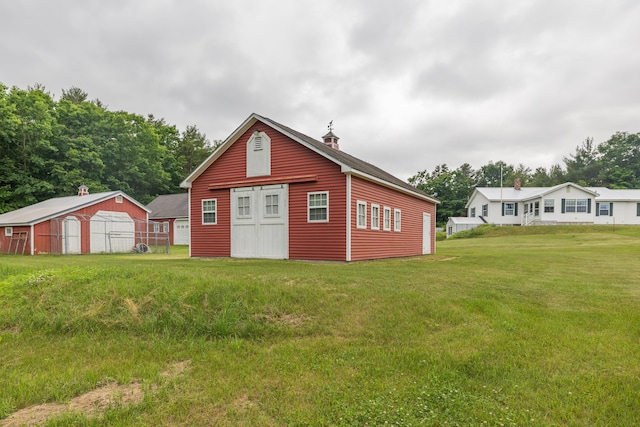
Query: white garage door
112	232
259	222
181	232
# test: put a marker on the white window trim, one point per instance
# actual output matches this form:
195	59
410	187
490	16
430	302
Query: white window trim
397	220
375	225
243	196
215	211
8	231
361	224
271	215
387	214
119	199
315	207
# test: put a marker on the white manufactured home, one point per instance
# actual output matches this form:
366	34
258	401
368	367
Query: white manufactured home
566	203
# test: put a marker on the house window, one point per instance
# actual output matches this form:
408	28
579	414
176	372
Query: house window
244	206
362	215
397	220
637	209
604	209
576	205
118	199
473	213
536	209
549	205
8	231
387	219
318	207
485	210
375	217
209	212
160	227
271	205
508	209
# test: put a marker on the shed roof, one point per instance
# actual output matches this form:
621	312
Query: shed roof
463	220
347	162
52	208
170	206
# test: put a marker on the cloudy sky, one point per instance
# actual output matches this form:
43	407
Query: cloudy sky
409	84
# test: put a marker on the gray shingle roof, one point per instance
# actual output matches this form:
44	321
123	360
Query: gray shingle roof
169	206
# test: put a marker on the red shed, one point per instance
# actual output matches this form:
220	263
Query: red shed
86	223
271	192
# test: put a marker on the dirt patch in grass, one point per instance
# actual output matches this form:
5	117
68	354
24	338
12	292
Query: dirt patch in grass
92	403
284	319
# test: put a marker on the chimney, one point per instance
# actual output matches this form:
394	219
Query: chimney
517	184
330	139
83	190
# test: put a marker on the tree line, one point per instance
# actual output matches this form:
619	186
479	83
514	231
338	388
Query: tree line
614	163
49	147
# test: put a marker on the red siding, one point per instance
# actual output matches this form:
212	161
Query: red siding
6	245
326	241
369	243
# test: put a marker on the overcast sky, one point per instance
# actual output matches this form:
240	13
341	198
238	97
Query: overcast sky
409	84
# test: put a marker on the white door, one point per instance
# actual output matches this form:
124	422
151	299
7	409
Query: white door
426	233
71	235
259	222
181	232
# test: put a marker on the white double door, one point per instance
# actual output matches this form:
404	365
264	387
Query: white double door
259	222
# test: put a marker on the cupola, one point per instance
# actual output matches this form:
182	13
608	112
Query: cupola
330	139
83	190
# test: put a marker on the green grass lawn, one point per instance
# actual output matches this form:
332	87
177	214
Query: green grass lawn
526	326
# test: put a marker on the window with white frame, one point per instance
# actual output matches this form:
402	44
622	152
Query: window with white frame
549	205
209	211
536	209
485	210
160	227
397	220
244	207
362	215
375	217
575	205
509	208
8	231
472	214
386	225
119	199
271	205
318	206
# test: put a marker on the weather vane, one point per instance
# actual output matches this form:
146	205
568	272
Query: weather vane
330	127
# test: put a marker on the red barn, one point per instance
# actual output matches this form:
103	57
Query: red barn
86	223
271	192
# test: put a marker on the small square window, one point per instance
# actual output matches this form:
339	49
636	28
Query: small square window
244	207
8	231
271	205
